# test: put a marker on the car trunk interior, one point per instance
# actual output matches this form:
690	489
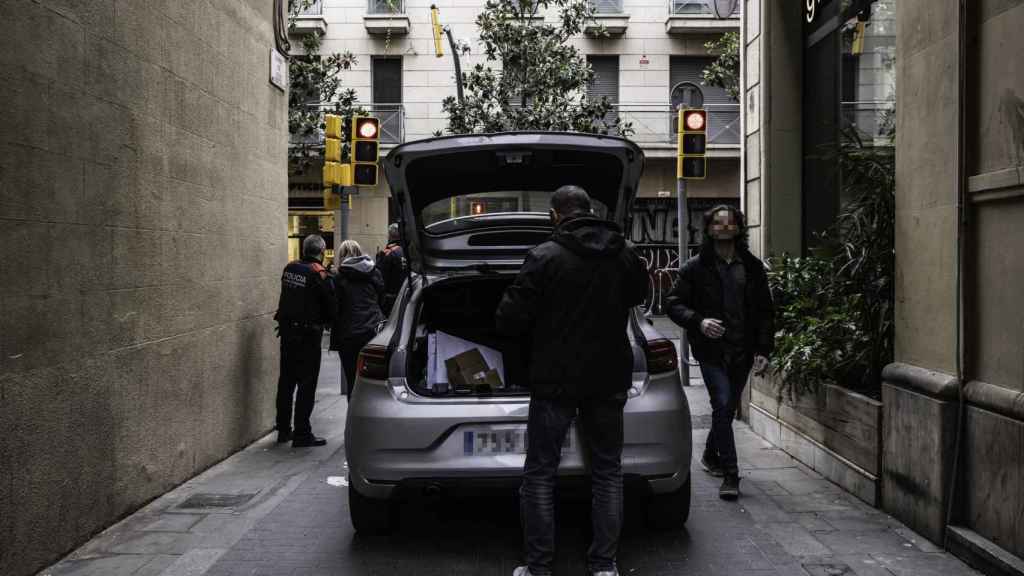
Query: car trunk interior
464	308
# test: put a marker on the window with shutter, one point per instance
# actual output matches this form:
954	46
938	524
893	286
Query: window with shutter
605	82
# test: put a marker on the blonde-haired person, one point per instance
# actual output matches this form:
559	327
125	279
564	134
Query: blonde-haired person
359	287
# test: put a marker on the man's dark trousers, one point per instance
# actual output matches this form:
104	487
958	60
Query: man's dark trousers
300	368
725	380
600	422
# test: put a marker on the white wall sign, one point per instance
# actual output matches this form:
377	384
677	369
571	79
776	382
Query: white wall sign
278	69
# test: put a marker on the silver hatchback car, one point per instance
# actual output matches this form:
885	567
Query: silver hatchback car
470	209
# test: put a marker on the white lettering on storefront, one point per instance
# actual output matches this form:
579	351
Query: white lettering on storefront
812	9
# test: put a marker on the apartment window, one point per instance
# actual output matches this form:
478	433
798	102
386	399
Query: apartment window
606	6
605	83
704	8
387	97
686	81
386	6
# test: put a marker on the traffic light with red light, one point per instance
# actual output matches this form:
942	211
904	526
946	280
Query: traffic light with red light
692	162
365	150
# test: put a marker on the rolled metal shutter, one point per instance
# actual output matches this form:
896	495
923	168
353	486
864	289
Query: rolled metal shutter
605	82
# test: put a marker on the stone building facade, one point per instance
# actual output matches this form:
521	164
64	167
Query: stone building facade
143	197
654	46
952	447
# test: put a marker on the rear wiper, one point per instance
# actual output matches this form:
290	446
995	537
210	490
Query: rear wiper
481	267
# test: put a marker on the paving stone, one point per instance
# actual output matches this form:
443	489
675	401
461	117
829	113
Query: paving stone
173	522
865	541
787	519
99	566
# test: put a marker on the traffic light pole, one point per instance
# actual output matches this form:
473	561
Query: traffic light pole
343	215
683	234
455	58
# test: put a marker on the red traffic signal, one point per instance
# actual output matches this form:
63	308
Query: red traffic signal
365	128
694	121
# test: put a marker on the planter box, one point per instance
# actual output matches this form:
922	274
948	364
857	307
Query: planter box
837	433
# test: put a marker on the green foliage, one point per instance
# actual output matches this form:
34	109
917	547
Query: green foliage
834	308
724	72
315	87
541	83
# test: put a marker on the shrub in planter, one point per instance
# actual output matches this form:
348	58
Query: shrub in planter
834	313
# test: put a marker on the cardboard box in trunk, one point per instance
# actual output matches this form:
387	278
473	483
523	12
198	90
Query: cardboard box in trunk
470	369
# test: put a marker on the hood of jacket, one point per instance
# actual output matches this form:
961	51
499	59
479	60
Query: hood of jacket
588	236
358	265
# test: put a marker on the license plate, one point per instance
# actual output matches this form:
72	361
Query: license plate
497	441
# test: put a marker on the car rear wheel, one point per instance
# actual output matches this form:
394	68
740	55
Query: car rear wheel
669	511
370	516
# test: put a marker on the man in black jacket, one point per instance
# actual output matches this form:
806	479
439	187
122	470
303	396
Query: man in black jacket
723	301
391	263
306	306
571	300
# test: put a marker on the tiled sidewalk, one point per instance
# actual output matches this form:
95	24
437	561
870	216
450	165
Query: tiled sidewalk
789	521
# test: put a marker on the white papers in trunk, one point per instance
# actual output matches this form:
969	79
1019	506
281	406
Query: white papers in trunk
442	346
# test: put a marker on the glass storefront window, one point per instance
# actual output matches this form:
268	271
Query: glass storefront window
302	224
849	100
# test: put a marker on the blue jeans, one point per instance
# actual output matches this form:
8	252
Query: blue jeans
600	424
725	381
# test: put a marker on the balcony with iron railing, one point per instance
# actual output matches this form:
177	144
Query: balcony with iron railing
654	127
608	16
391	116
309	20
701	17
386	17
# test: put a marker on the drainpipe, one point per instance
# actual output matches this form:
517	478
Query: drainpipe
960	188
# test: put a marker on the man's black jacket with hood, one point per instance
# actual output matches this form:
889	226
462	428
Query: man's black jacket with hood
572	300
698	295
360	291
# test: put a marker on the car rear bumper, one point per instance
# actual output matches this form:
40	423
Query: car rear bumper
393	440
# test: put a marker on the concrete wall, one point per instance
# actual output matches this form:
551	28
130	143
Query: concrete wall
989	499
993	481
773	157
142	229
926	185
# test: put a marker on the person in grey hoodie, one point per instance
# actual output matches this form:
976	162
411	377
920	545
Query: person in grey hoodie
359	287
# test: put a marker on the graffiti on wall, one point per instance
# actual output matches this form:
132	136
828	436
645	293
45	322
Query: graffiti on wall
655	232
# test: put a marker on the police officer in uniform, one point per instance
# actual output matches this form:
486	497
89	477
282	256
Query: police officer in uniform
307	305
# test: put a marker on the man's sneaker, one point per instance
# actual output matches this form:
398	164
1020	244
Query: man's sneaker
730	489
710	465
284	436
308	441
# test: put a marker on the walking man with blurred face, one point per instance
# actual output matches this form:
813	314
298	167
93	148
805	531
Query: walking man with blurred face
722	299
571	302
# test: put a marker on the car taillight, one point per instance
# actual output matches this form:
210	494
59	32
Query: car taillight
661	356
373	362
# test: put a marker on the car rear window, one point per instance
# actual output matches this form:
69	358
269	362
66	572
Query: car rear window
490	203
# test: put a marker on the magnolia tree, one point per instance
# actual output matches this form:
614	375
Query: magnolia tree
315	87
534	79
724	72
